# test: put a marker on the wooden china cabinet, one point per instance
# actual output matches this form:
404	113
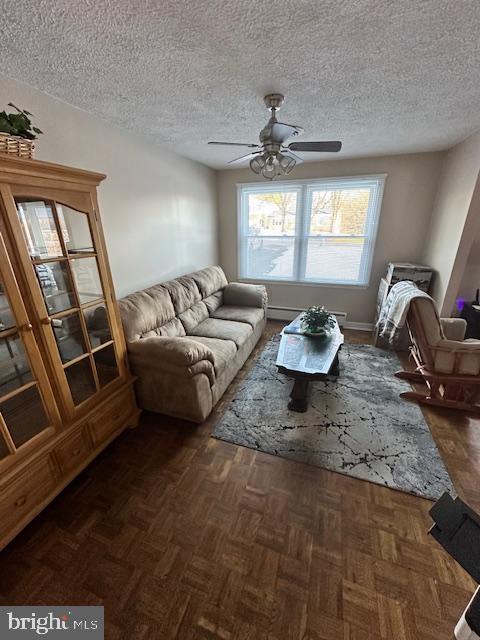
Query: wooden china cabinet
65	388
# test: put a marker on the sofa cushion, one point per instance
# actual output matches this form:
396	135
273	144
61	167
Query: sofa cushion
183	292
209	280
245	295
172	329
193	316
176	351
224	351
223	329
252	315
144	311
214	301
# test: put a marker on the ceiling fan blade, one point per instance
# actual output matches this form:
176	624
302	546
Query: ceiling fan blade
279	131
237	144
249	156
321	147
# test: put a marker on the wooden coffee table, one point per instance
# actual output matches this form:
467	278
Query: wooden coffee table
307	358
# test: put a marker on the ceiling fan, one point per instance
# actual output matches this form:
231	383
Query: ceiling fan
272	157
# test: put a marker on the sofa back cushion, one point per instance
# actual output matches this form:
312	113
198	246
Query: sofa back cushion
183	292
209	280
174	307
145	312
193	316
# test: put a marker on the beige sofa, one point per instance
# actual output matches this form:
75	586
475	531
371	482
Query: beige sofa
187	339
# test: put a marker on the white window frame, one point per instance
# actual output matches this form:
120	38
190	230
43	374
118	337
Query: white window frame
304	189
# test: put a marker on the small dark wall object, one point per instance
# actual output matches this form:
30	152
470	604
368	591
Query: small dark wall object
457	529
472	316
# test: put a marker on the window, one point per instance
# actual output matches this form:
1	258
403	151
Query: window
320	231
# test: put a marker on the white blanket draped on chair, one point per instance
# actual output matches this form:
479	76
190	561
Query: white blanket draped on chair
394	312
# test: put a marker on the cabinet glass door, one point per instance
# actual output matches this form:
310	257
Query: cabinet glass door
61	246
23	412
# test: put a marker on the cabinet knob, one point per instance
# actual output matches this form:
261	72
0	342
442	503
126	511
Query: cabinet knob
46	320
21	501
26	327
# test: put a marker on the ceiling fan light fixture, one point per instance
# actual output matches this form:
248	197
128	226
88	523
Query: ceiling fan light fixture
257	164
286	163
270	169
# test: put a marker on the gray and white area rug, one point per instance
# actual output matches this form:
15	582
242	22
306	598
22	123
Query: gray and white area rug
356	425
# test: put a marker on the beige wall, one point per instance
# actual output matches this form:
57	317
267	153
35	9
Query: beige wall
158	209
470	281
407	204
455	221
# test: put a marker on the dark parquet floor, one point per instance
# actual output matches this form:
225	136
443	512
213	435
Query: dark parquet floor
183	536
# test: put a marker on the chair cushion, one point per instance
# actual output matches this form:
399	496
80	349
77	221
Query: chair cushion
252	315
429	319
223	351
238	332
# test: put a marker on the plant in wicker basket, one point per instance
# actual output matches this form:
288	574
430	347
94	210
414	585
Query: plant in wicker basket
17	132
18	124
317	320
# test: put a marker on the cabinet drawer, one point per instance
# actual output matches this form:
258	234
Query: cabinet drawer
111	418
24	494
72	451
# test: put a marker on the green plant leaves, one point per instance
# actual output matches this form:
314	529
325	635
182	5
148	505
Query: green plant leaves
18	124
317	318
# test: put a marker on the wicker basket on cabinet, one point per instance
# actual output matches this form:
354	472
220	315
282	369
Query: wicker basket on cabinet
16	146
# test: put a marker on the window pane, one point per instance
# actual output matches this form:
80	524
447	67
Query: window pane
69	336
39	229
56	286
106	364
269	257
340	211
272	214
75	230
335	259
80	380
24	415
96	318
6	315
87	279
14	368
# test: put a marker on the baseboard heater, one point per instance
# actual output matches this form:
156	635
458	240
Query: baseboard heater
289	313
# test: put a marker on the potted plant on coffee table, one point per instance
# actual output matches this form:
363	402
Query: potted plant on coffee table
17	134
317	321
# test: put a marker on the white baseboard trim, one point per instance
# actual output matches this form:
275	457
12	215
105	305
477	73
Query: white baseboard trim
359	326
282	313
289	313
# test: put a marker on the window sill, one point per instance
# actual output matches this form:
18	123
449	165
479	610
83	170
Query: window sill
299	283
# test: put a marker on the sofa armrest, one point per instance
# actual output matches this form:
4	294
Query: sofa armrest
241	294
181	352
454	328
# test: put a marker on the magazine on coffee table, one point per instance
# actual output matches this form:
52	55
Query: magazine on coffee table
295	327
305	354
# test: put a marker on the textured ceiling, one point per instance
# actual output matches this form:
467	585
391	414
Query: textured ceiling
384	76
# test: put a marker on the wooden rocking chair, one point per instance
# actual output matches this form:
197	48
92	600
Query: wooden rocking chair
448	365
